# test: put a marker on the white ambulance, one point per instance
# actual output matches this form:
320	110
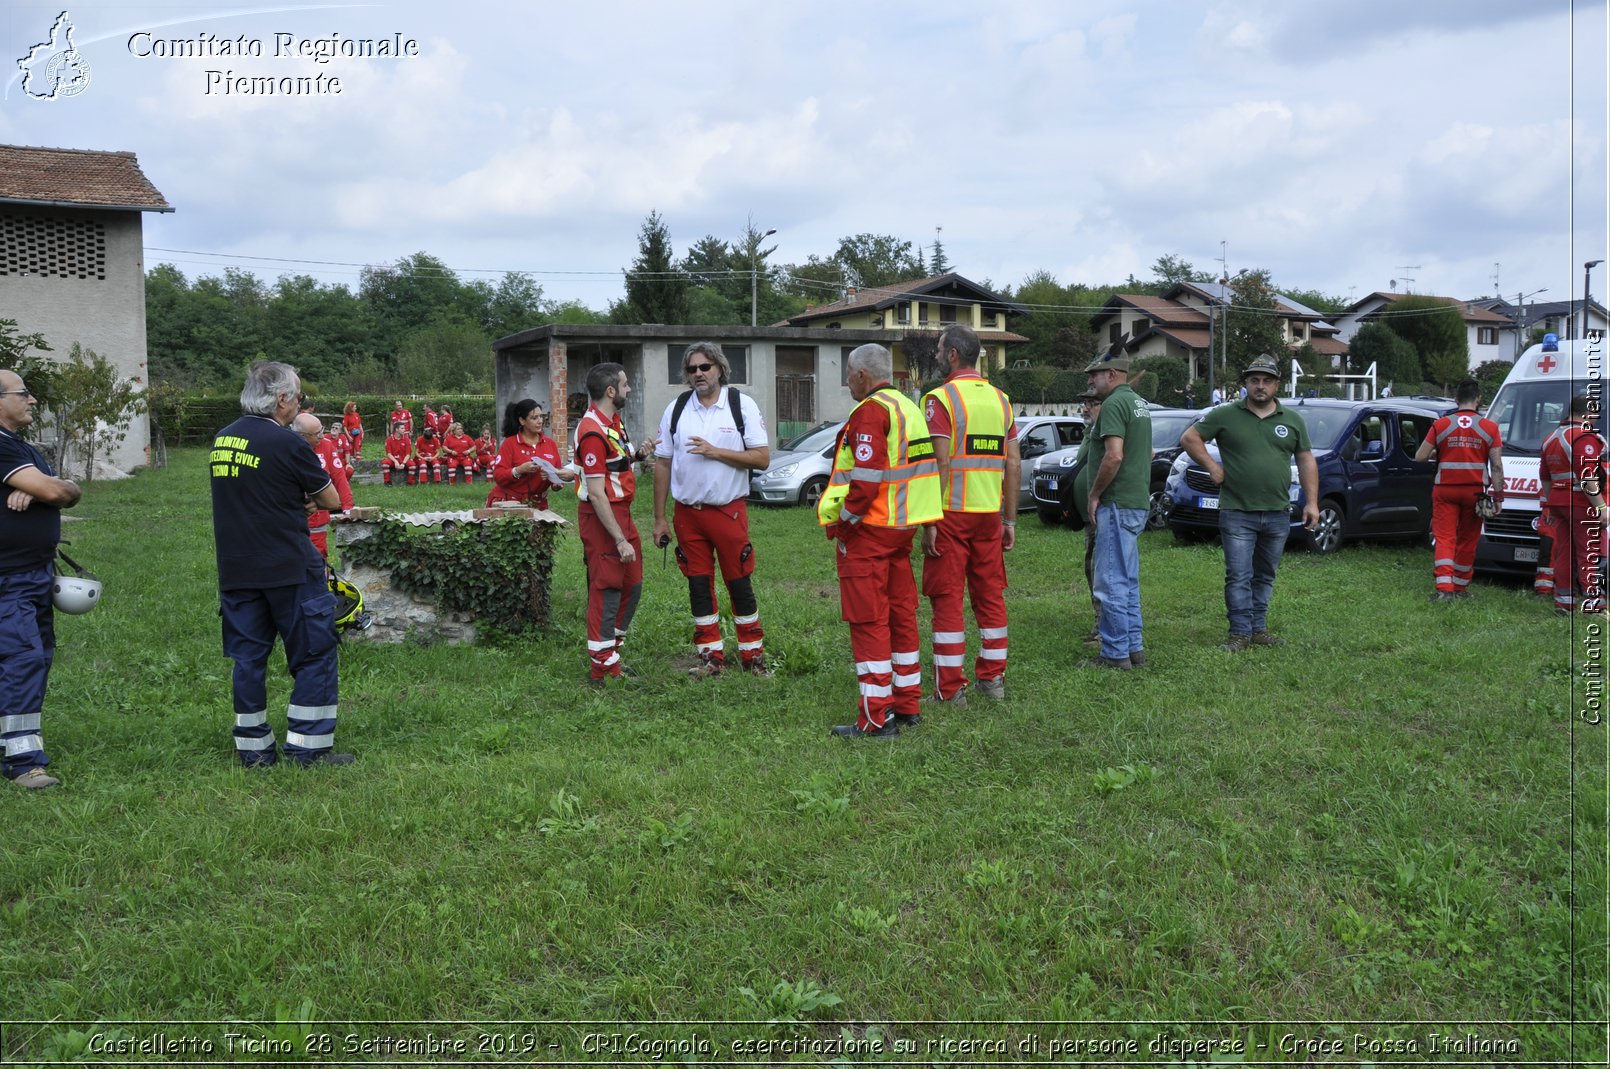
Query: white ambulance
1527	408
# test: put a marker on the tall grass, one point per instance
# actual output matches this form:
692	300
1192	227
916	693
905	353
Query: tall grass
1398	817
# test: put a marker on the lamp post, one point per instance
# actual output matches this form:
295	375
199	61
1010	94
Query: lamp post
1520	340
754	275
1587	271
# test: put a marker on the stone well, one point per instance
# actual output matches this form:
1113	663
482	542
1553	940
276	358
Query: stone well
399	615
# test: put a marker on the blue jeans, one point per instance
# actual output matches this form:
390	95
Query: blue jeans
1253	543
1116	584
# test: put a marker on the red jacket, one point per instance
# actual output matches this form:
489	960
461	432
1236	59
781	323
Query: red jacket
1462	440
334	464
398	451
531	488
427	446
459	446
1570	455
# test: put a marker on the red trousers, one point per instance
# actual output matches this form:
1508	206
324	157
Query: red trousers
613	586
456	464
423	466
1543	578
707	535
970	556
878	599
1457	529
1579	546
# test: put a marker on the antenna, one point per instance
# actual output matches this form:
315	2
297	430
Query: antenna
1495	277
1404	278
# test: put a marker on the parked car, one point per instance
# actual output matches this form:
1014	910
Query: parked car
1040	436
1370	485
799	468
1051	480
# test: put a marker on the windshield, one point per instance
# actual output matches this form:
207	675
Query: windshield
1528	412
1166	430
1325	425
817	438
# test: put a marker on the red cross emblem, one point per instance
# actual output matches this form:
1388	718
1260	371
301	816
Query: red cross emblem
1548	363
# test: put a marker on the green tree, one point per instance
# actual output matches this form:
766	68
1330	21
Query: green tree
515	305
572	312
1169	270
92	409
446	357
1491	374
38	372
938	262
1395	359
875	260
1252	323
1319	302
656	290
1437	333
1169	375
415	291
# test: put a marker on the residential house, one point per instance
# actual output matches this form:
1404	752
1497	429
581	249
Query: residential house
1535	318
72	261
1183	323
1489	334
925	305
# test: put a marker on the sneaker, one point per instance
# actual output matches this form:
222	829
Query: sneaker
1267	638
957	700
1137	658
326	758
855	731
35	779
706	668
1236	643
1120	664
993	688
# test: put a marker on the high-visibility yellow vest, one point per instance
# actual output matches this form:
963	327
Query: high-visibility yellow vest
980	416
909	494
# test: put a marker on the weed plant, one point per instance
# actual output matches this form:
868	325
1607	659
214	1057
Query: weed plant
1397	817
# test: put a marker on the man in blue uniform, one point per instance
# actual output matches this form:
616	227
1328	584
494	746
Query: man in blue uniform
30	528
271	581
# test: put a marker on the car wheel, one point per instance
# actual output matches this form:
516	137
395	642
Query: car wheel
812	491
1157	512
1327	533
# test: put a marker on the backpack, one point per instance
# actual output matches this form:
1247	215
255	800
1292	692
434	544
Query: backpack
734	402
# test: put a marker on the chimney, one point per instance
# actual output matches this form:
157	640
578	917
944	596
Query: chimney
849	293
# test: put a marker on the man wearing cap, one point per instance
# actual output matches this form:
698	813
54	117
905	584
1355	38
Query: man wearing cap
30	528
1258	439
1466	444
1120	494
975	442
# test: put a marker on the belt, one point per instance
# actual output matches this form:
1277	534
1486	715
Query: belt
716	505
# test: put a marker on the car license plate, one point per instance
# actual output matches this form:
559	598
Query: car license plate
1526	553
1051	485
1207	502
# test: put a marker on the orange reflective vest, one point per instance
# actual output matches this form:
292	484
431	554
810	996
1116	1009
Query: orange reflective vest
909	487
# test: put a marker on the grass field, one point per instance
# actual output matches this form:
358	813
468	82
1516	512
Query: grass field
1398	817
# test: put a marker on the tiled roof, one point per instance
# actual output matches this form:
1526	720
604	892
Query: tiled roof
1472	312
868	298
69	176
1158	309
1191	339
1328	346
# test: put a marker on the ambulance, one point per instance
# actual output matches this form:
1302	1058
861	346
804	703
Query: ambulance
1527	408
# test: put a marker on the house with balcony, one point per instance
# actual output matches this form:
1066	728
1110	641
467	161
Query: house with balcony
1533	319
923	306
1489	335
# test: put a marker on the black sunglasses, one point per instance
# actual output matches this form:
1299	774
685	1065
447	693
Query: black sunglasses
691	368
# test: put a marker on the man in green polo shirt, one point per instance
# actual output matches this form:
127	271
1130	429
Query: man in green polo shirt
1120	494
1258	438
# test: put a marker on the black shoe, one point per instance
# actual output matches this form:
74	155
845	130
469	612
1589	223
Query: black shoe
854	731
326	759
908	720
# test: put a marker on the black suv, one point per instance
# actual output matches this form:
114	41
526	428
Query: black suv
1054	472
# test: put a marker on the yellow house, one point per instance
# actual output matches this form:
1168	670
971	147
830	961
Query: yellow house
919	310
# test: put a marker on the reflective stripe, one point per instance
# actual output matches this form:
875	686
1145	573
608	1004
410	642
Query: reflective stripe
601	644
992	653
1442	560
750	645
914	679
876	690
312	712
950	636
978	464
992	632
19	722
1462	465
613	659
251	720
747	620
863	668
24	744
707	647
948	660
265	742
309	742
706	621
872	475
903	657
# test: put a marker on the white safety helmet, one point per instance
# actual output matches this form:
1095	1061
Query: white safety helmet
75	594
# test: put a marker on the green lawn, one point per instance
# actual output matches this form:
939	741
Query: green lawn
1398	817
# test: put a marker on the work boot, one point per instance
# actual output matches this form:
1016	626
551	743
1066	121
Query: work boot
1120	664
1137	658
707	668
1267	638
35	779
957	700
1237	643
993	688
855	731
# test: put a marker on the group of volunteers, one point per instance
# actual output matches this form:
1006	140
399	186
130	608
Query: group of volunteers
442	448
949	467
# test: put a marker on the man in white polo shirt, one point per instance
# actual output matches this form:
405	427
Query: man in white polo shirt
710	439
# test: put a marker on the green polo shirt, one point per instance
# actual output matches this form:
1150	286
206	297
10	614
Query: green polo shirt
1256	453
1125	415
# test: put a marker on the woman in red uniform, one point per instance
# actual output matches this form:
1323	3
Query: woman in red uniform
486	450
459	450
352	424
516	475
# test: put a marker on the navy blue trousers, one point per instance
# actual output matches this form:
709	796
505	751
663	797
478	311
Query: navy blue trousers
303	617
27	647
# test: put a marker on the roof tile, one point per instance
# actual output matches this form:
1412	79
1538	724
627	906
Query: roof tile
91	178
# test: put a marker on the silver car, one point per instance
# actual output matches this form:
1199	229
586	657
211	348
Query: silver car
799	469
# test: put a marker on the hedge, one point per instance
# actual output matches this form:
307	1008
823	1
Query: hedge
193	419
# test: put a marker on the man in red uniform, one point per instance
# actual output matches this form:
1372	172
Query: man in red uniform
431	421
318	519
1466	446
711	438
1572	467
336	461
459	450
399	414
427	456
975	442
885	484
610	543
399	455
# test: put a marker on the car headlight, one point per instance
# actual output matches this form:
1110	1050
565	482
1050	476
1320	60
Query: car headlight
781	473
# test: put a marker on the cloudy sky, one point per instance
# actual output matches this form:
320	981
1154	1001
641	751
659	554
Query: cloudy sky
1342	146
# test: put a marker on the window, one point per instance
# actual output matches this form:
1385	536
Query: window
1412	430
1299	331
844	363
1038	442
904	312
989	319
1114	333
737	356
47	245
1486	335
947	313
1142	325
876	322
